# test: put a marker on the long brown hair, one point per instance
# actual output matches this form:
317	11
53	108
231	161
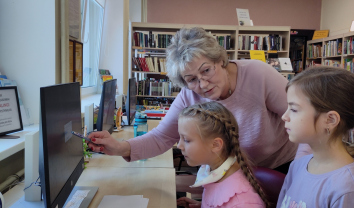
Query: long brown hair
214	120
329	89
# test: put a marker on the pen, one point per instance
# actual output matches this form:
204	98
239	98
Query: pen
81	136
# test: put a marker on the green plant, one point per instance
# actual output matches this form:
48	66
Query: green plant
87	154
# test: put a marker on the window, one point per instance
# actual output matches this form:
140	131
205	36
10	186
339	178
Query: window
92	22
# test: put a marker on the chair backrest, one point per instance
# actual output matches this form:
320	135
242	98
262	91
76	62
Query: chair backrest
271	182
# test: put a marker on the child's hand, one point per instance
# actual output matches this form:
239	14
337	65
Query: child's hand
188	203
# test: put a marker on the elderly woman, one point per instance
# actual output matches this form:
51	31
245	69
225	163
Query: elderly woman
252	90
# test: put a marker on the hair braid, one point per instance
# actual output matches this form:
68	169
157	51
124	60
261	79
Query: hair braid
230	131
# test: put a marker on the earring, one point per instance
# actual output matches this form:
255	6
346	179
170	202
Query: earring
328	131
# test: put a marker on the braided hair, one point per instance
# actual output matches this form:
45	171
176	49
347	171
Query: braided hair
216	121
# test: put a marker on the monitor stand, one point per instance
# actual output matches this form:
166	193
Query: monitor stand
9	137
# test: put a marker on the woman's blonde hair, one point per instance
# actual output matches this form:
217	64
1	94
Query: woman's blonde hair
214	120
188	44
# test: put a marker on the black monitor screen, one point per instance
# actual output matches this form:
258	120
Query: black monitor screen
130	106
10	115
105	117
61	159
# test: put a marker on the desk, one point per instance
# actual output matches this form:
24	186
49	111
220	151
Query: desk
157	184
164	160
11	146
153	178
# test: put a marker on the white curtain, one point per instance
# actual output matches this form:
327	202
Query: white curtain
92	22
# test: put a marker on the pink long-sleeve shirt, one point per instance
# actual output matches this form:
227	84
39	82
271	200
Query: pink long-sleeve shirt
257	103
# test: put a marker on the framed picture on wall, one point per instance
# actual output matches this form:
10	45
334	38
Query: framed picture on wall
75	61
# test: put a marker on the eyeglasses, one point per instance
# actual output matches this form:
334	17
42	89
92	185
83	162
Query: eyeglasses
206	74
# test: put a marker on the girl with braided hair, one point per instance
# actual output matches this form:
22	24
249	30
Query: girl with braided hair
209	138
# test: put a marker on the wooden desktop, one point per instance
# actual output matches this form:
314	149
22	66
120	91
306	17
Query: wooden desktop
153	178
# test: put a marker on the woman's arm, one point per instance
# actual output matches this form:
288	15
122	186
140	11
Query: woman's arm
151	144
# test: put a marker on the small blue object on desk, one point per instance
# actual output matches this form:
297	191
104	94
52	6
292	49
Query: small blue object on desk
140	125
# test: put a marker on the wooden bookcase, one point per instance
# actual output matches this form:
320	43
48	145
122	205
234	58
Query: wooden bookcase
335	50
234	32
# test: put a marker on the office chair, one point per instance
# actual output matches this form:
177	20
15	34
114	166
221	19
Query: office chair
177	154
184	180
271	182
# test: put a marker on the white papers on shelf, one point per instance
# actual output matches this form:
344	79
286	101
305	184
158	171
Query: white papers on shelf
132	201
243	17
285	64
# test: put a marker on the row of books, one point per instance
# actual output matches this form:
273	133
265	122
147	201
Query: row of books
349	46
297	66
151	39
313	63
224	41
149	64
156	88
314	51
153	101
334	63
349	64
254	42
332	48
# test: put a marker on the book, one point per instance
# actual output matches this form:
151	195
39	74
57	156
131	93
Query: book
106	77
285	64
274	62
257	55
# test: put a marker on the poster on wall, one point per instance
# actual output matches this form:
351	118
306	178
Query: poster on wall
243	17
10	116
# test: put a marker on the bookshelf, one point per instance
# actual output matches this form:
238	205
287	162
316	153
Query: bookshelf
283	32
154	49
297	58
335	50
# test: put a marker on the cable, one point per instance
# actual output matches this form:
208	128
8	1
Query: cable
36	183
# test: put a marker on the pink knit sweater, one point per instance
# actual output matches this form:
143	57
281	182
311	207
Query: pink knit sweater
257	103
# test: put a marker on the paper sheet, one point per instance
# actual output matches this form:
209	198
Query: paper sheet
133	201
77	198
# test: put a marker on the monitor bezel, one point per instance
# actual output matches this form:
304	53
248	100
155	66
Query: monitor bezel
69	185
18	110
130	97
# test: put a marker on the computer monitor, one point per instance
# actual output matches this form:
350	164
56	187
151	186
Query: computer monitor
105	117
130	104
61	160
10	114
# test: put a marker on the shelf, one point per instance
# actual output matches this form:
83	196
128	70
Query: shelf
314	58
352	54
144	72
152	49
156	96
247	51
337	56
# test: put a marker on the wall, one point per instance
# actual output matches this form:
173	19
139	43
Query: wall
135	10
300	14
337	16
27	47
113	55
